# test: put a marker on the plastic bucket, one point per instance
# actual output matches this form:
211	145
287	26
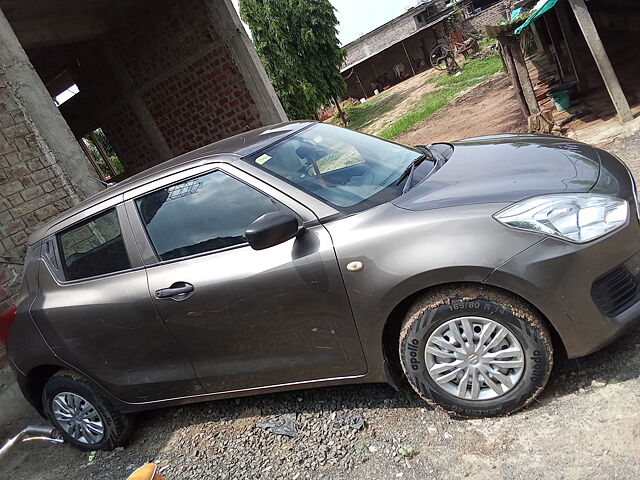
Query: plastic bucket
562	100
560	95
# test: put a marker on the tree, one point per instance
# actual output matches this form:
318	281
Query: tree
298	44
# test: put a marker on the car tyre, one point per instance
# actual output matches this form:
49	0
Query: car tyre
83	414
511	347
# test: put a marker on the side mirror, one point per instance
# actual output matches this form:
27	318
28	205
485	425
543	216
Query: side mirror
272	229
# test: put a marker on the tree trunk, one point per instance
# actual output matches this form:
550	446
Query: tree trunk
340	112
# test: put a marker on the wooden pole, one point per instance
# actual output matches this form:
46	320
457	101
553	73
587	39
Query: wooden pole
408	58
360	83
557	46
513	44
596	47
511	70
544	46
567	33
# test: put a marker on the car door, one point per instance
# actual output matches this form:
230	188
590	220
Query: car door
246	318
94	309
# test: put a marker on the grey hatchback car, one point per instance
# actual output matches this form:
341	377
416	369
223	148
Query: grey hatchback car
303	254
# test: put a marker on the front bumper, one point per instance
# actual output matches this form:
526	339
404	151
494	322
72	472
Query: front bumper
557	277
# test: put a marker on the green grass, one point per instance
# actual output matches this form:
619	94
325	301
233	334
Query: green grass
473	72
473	69
361	116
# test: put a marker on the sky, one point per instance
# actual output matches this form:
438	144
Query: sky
357	17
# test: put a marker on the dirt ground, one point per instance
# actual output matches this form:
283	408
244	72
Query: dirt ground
586	424
402	98
488	108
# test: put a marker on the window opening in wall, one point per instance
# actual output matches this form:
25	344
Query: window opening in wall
101	154
65	95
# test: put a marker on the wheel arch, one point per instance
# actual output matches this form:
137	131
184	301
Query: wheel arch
393	324
34	382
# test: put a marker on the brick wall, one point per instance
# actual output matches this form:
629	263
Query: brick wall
32	189
488	16
184	75
202	103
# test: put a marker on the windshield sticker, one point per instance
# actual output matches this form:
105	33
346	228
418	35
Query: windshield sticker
262	159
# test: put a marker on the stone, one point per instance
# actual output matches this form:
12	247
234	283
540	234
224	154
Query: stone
10	188
32	192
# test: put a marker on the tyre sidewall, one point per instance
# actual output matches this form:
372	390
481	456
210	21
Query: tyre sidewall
111	420
532	338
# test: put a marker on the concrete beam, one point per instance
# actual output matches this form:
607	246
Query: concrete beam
42	32
227	24
52	132
599	53
145	118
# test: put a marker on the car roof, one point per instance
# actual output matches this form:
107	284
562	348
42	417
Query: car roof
227	150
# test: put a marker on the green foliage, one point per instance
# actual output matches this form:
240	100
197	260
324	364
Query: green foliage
99	159
298	45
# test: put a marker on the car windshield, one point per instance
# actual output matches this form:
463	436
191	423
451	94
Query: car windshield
349	170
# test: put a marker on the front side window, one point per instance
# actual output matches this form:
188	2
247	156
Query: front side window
201	214
347	169
93	247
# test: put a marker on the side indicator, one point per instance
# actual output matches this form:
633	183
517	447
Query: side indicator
354	266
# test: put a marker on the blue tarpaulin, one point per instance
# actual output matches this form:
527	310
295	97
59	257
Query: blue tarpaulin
538	10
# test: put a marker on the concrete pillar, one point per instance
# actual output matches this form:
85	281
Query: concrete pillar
50	129
592	37
231	30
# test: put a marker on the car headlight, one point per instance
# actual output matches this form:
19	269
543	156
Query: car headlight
576	217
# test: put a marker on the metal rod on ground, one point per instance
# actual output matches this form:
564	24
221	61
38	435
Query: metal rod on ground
594	42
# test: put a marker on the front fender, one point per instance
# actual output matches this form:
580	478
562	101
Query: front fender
404	252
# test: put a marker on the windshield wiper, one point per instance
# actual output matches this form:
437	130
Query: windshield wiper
408	172
438	158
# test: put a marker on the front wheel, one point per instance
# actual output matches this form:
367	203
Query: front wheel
475	351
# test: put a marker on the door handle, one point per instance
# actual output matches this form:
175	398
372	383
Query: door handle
177	291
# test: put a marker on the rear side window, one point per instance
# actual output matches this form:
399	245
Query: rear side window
93	247
201	214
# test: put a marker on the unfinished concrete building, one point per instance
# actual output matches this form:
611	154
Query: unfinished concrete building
143	81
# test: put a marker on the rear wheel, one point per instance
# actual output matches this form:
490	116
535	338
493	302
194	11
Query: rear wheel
475	351
82	414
